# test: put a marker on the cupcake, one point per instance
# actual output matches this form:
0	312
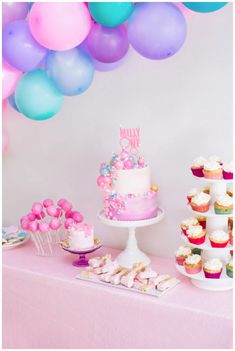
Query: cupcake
202	221
192	192
223	204
193	264
231	237
197	166
212	170
186	223
213	268
219	238
230	192
196	235
200	202
215	158
181	254
228	170
229	269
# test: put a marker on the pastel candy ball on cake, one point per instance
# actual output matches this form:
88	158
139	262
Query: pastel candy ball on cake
157	30
59	26
111	14
37	97
72	71
107	44
19	47
13	11
204	7
104	182
129	164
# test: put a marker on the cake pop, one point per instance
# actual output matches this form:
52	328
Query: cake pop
55	224
33	226
31	217
37	208
60	202
69	214
59	212
77	217
48	202
52	211
41	215
23	219
25	224
66	206
44	227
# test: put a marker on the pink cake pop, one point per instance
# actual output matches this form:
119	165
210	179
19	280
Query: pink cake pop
31	217
55	224
59	212
66	206
37	208
25	224
60	202
77	217
44	227
33	226
69	214
48	202
129	164
52	211
23	219
118	164
124	154
41	215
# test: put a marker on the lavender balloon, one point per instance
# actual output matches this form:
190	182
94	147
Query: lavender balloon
12	11
20	49
107	44
157	30
106	67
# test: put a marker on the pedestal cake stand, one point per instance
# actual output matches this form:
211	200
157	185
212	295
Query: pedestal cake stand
213	222
132	253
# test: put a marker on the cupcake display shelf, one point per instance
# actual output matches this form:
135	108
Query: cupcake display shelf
132	253
214	222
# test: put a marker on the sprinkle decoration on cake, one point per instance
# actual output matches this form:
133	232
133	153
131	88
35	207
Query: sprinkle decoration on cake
125	182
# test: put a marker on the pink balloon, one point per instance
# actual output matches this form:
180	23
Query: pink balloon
68	223
55	224
60	202
44	227
77	217
10	77
41	215
52	211
61	25
67	206
36	208
25	224
69	214
33	227
31	216
48	202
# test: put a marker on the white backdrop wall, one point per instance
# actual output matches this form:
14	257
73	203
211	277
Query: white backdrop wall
183	106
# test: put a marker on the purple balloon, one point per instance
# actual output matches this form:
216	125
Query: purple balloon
13	11
157	30
107	44
20	49
106	67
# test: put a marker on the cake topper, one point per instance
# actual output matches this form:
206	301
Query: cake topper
130	139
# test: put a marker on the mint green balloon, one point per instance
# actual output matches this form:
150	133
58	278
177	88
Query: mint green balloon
110	14
37	97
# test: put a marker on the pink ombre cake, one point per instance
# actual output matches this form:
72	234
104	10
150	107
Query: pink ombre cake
126	182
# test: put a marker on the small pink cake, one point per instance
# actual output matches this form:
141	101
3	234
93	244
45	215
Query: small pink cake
81	236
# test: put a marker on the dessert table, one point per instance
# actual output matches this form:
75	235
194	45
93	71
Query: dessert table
44	306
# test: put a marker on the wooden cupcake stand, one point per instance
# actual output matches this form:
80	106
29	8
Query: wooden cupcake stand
213	222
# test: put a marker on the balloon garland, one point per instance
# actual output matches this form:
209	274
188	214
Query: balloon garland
53	49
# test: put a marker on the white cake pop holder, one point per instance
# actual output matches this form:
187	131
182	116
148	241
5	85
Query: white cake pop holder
213	222
132	254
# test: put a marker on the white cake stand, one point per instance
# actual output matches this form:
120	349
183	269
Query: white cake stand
132	253
213	222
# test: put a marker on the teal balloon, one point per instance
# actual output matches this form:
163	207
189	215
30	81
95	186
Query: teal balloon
37	97
204	6
11	100
111	14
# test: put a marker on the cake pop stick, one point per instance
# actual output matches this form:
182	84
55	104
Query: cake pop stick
44	228
55	224
33	227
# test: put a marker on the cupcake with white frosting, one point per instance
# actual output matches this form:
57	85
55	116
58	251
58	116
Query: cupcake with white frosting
182	253
228	170
223	204
212	170
202	221
213	268
200	202
219	238
192	192
215	158
197	166
193	264
196	235
186	223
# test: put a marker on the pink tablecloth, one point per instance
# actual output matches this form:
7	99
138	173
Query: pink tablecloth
44	306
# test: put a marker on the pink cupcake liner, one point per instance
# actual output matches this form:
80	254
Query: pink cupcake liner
214	244
227	175
217	175
193	270
180	260
212	275
197	172
197	241
200	208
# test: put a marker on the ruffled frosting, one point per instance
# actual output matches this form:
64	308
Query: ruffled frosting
212	166
224	200
213	265
228	167
189	221
183	251
193	192
219	235
193	259
194	230
215	158
201	198
199	161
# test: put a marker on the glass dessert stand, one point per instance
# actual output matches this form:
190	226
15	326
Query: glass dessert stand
132	254
213	222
